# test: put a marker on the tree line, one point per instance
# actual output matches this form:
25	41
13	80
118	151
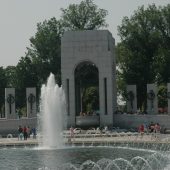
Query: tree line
144	51
143	54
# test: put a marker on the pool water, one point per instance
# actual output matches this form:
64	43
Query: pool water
54	159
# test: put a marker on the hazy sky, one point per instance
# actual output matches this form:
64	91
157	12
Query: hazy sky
18	19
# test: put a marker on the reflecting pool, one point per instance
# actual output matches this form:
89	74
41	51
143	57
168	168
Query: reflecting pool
84	158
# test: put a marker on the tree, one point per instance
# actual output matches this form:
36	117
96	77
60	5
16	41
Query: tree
25	76
25	73
10	76
3	83
46	48
163	58
91	99
142	44
162	96
44	54
3	80
83	16
86	80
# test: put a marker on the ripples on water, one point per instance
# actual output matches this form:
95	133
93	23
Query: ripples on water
87	158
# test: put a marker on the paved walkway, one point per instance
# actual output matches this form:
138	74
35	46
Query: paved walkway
16	142
160	138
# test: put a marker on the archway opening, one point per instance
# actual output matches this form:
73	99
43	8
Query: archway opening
86	89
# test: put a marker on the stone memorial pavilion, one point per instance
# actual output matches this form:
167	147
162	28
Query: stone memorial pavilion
97	48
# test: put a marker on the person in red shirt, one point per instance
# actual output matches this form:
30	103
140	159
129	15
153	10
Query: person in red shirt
25	133
141	129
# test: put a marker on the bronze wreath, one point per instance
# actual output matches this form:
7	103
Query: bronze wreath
130	96
10	99
31	98
151	95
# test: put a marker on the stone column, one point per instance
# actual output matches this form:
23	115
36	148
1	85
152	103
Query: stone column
107	99
68	86
152	99
71	118
168	95
31	102
131	98
10	111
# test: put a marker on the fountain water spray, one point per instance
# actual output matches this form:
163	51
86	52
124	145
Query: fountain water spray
51	117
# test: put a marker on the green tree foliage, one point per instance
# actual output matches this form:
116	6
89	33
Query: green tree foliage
3	84
143	53
91	99
25	76
41	58
83	16
86	77
25	73
45	51
44	54
10	76
162	96
162	60
3	80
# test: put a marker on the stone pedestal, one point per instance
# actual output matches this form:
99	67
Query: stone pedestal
131	98
31	102
152	99
10	111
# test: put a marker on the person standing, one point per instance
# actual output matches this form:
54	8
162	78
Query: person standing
141	130
20	132
25	133
157	130
28	132
34	132
71	133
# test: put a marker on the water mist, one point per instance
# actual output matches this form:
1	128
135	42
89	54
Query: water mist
51	117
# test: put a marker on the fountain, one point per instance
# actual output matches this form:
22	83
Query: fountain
52	110
125	152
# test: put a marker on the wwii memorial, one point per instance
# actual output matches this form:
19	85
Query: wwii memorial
78	100
94	48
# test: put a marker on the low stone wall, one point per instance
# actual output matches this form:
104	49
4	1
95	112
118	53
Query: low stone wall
127	121
87	121
10	126
133	121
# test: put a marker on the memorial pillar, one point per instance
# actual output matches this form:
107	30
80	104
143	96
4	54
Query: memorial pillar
10	111
152	99
131	98
31	102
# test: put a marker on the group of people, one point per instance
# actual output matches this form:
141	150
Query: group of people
25	132
154	127
151	128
